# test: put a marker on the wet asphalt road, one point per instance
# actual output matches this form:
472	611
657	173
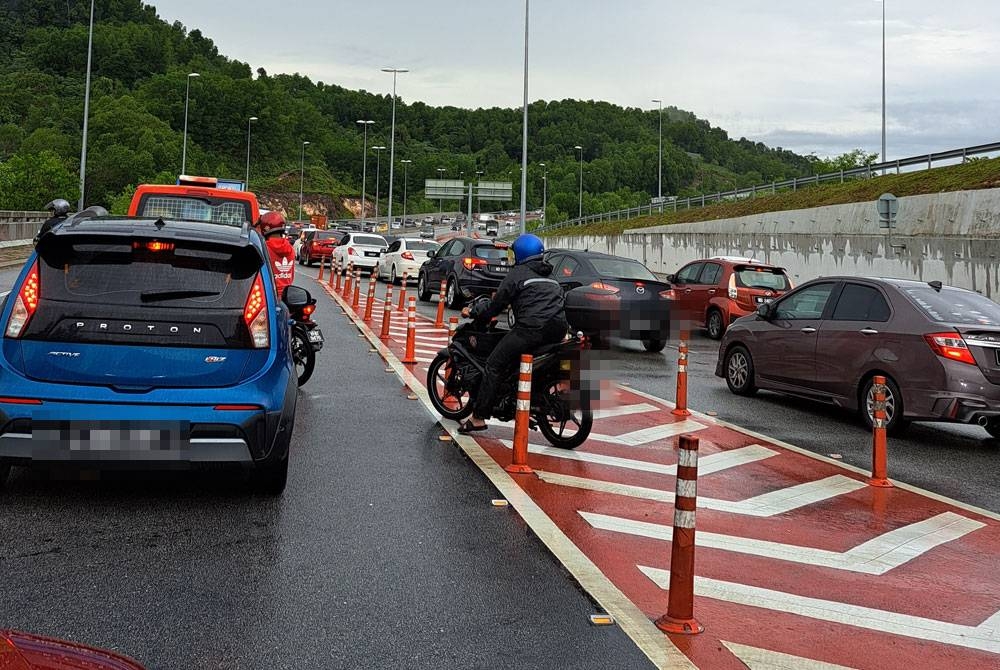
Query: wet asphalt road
384	552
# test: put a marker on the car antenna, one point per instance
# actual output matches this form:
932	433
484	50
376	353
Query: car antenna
936	285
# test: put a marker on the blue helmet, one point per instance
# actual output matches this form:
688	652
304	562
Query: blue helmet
526	246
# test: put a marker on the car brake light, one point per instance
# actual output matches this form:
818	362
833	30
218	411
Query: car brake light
950	346
351	251
471	263
308	309
734	292
20	401
255	315
25	304
406	255
669	294
601	286
154	245
237	408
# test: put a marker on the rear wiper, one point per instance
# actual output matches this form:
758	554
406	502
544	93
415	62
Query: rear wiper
159	296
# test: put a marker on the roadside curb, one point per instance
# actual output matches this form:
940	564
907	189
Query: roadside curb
660	650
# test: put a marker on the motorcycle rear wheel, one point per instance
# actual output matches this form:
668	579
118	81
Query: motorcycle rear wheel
564	426
449	406
303	354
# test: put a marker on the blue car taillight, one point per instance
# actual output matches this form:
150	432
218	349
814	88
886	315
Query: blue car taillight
25	304
255	315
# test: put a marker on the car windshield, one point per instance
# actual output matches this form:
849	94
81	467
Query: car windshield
191	208
772	279
490	252
622	268
369	241
954	305
422	246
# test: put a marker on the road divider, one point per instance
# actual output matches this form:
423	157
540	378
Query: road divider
386	314
349	280
371	297
452	327
402	293
322	263
439	321
522	417
680	608
356	299
880	466
680	406
410	357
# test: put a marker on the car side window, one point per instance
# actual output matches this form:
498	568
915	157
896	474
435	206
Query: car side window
689	274
394	247
710	275
569	267
457	248
807	303
861	303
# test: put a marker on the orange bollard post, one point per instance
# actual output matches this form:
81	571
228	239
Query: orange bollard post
322	261
452	327
439	321
348	281
371	297
411	332
402	293
386	314
680	608
334	271
522	417
336	285
680	406
880	468
356	298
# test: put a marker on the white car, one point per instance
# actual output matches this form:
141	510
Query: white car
362	249
297	243
405	255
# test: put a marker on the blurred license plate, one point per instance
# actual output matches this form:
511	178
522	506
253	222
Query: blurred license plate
371	253
315	336
499	268
96	436
761	300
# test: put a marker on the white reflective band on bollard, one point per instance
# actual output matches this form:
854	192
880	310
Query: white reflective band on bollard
525	368
523	405
683	519
687	488
523	386
688	458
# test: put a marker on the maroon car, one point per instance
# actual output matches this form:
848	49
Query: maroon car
938	346
24	651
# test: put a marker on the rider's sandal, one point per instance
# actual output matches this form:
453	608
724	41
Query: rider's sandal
469	427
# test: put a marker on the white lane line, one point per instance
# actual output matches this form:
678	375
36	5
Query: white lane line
765	659
706	465
985	637
651	434
875	557
764	505
624	410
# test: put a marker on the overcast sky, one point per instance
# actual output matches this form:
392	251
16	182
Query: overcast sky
801	74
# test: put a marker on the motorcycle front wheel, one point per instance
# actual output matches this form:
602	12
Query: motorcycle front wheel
303	354
447	403
562	424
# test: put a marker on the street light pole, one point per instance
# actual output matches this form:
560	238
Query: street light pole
440	200
659	169
302	177
580	210
392	134
187	99
364	166
883	157
545	189
524	131
247	182
86	111
378	176
405	164
479	201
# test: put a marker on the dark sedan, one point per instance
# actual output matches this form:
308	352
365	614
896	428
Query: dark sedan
937	346
470	267
610	296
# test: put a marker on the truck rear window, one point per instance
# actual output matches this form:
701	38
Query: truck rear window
191	208
128	273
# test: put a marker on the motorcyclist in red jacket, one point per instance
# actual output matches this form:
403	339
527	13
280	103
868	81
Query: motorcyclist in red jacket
282	255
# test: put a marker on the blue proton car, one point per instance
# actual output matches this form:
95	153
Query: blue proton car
141	343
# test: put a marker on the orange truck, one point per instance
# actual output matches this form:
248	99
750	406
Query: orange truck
195	199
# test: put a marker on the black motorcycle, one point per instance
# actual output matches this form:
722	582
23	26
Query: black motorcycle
558	408
307	338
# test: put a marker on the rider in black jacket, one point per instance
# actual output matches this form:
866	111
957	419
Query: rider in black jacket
539	319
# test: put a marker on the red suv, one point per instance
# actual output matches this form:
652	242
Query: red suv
714	292
319	244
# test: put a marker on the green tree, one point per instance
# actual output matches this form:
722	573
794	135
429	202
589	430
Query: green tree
29	181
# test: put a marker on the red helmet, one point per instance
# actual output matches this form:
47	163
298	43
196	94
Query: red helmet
271	223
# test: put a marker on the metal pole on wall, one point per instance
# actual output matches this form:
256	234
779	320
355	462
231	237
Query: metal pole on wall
86	111
405	164
580	210
392	135
247	181
883	157
440	200
378	174
302	177
187	100
659	170
524	136
364	166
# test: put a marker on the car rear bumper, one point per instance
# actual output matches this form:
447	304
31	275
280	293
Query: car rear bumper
21	449
620	321
474	287
363	261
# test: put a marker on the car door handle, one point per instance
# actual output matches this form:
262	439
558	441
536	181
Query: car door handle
808	331
868	331
711	290
687	290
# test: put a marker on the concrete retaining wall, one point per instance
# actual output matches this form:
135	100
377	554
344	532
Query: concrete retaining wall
951	237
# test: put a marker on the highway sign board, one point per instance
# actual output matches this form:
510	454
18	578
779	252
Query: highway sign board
444	189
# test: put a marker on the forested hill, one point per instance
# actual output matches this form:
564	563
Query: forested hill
140	70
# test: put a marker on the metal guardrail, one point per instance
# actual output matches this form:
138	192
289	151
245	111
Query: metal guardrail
865	172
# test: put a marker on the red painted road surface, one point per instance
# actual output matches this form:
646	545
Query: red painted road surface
795	554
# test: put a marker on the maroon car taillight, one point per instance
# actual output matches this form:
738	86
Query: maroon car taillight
669	294
25	304
950	346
